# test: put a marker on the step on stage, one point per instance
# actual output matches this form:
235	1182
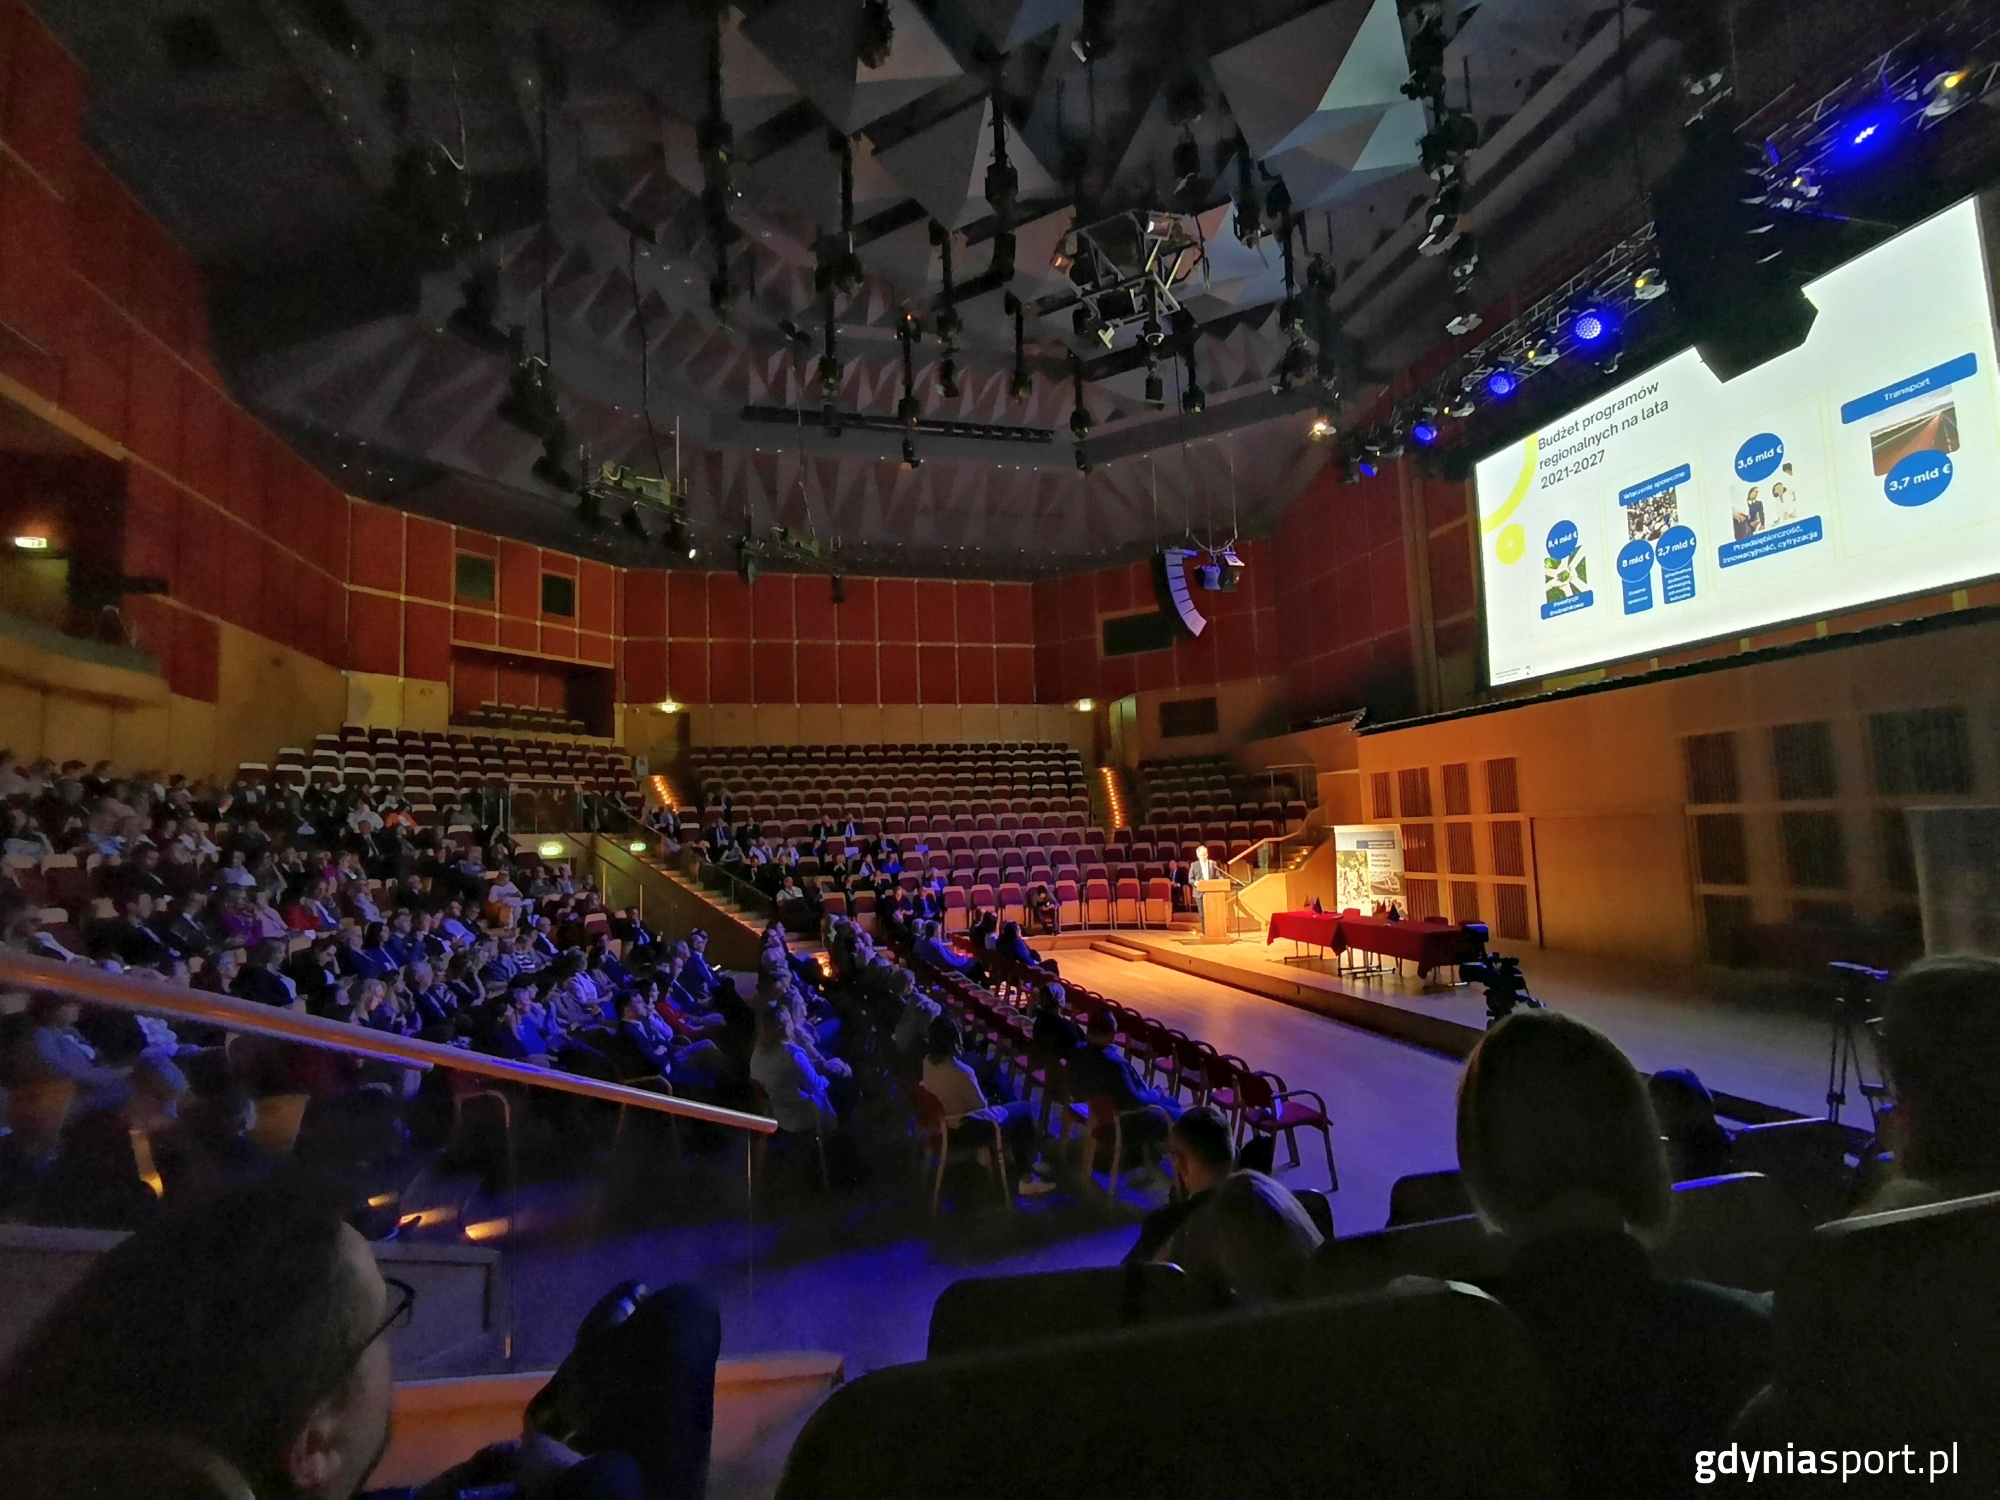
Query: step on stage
1763	1056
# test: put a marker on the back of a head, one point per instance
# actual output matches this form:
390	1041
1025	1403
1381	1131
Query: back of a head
1681	1102
1551	1113
219	1326
1204	1134
943	1041
1253	1233
1941	1041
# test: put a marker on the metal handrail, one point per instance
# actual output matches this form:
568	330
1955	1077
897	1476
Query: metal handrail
92	985
1276	839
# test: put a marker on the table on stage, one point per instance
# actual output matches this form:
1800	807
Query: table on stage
1429	945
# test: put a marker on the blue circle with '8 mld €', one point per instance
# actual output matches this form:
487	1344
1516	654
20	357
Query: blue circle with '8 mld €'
1918	478
1759	457
1562	539
1635	559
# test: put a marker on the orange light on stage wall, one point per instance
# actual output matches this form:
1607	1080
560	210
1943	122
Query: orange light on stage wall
487	1229
424	1218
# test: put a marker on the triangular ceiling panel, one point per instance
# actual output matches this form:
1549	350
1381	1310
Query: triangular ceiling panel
811	42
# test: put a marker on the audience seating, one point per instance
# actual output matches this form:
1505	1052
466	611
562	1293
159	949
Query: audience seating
976	1138
1426	1393
1424	1196
1808	1158
1888	1332
436	771
1206	799
1738	1230
1004	1312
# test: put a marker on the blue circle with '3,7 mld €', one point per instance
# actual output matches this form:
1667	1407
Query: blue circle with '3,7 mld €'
1918	478
1759	457
1562	539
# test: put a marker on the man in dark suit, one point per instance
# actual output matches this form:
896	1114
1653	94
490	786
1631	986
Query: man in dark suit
263	981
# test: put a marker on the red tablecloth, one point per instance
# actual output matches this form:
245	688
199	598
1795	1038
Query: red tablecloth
1429	945
1322	931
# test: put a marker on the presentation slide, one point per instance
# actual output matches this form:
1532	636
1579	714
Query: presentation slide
1863	465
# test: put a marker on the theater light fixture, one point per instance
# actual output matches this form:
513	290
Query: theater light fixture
1083	463
1085	705
1649	285
911	460
31	543
1423	433
668	706
635	523
550	848
1322	427
1502	383
1592	327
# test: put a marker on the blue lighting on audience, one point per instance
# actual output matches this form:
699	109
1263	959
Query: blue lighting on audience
1501	384
1423	434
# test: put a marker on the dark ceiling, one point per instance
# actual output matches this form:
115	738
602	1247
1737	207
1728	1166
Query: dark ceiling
275	139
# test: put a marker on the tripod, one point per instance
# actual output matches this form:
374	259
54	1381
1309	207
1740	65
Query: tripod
1853	999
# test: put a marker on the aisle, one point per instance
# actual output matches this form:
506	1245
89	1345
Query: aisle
1391	1104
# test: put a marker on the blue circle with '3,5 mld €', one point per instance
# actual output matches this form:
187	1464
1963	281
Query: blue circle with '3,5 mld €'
1918	478
1562	539
1759	458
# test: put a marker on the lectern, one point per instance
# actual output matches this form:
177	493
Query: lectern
1214	896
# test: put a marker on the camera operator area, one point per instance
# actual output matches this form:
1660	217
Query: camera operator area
930	748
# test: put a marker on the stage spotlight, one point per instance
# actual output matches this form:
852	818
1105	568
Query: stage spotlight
589	510
635	523
1649	285
1366	467
1463	323
1538	352
1423	433
746	560
948	378
1322	426
1083	464
1946	92
1060	260
1608	362
675	537
1461	405
1194	400
910	458
1593	327
1156	390
829	420
1864	138
839	588
1502	383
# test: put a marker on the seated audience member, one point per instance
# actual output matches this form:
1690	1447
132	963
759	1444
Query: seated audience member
1101	1071
263	978
1561	1153
932	948
1940	1047
52	1050
1249	1242
1042	915
1202	1156
1010	944
956	1088
1696	1146
250	1334
798	1093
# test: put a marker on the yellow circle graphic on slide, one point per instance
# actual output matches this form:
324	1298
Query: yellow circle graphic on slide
1512	544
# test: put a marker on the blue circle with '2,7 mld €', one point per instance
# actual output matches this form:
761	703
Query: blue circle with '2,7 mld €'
1562	539
1918	478
1759	457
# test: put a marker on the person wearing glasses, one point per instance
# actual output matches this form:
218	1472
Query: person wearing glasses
251	1336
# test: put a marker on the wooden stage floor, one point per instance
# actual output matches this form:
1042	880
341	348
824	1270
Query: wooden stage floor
1756	1046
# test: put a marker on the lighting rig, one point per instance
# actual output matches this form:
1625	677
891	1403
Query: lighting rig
1127	270
1584	318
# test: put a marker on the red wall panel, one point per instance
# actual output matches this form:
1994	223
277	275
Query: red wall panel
427	569
897	666
152	524
813	608
599	650
975	615
896	613
975	674
642	603
773	680
153	418
520	584
519	635
101	218
937	613
1014	674
730	671
687	672
771	611
558	640
247	453
859	682
728	608
596	597
375	630
1014	614
855	620
475	627
937	674
45	105
375	547
645	674
818	670
687	606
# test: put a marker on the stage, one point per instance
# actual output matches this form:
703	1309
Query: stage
1755	1046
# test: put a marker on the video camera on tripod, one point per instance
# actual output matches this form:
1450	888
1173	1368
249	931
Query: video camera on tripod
1506	987
1857	989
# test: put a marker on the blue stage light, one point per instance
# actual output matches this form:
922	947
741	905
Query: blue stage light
1501	384
1366	466
1591	327
1863	138
1423	434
